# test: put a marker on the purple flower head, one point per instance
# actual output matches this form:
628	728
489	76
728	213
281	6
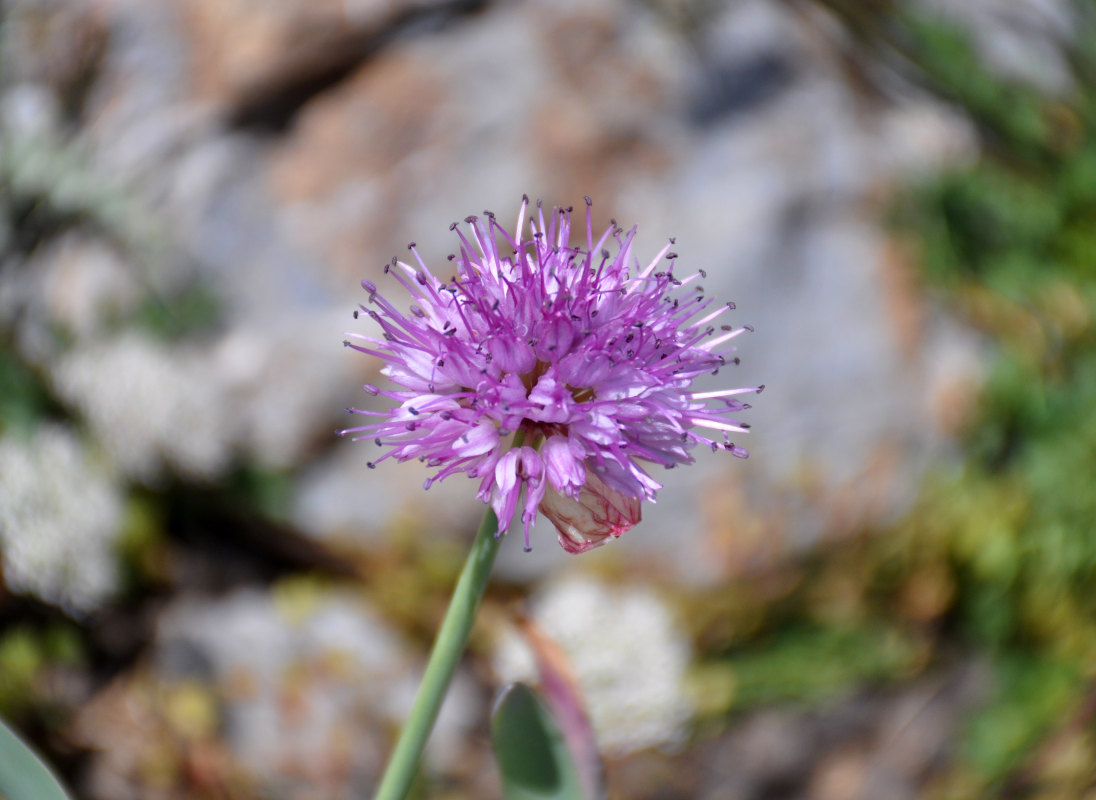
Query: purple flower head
550	373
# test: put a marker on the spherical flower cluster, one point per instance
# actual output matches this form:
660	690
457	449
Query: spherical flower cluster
550	371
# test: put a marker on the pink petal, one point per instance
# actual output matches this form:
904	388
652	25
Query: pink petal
507	488
565	472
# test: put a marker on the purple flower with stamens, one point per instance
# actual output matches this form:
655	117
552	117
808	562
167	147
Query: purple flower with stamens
550	373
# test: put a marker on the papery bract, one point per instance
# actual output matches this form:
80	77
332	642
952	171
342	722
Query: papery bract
598	515
580	358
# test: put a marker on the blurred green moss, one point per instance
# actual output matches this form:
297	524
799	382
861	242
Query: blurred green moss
1009	242
194	309
27	653
23	398
808	664
1030	696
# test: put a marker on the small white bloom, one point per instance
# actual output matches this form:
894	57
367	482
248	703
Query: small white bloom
59	520
628	657
149	406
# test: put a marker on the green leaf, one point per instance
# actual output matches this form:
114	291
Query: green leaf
530	750
23	776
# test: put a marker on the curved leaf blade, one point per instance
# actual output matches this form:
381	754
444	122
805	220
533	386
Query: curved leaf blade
532	756
562	698
23	776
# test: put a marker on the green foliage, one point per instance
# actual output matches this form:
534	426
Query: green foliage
1012	115
812	663
265	490
1010	242
142	546
47	186
26	654
1011	239
21	660
1031	695
23	399
194	309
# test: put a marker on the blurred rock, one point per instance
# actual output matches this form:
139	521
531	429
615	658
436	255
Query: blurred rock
29	110
334	501
737	131
85	284
430	131
281	383
233	44
311	685
869	745
56	44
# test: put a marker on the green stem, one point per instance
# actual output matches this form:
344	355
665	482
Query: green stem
448	647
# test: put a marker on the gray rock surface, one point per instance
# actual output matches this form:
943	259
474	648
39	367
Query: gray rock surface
734	132
885	744
307	689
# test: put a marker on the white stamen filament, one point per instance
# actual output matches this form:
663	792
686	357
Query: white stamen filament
708	345
722	393
719	426
649	268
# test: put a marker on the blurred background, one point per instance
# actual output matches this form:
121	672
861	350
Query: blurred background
206	594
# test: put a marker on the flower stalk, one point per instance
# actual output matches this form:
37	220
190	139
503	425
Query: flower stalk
452	637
